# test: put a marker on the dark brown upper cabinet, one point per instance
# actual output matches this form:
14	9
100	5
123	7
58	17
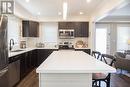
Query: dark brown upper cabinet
66	25
81	28
30	28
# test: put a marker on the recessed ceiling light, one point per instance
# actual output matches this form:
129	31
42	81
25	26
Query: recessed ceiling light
59	13
88	1
27	0
81	13
39	13
65	8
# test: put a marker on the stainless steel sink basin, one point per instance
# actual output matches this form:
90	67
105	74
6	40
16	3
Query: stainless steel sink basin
17	50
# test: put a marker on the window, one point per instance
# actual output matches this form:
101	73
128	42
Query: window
123	35
50	32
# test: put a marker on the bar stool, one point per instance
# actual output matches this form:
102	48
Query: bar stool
98	77
96	54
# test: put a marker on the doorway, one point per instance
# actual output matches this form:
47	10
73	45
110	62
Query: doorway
102	38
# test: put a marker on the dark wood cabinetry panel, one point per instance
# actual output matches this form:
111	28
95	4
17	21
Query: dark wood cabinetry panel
66	25
77	29
43	54
31	60
23	66
28	62
81	28
88	51
34	58
30	29
25	28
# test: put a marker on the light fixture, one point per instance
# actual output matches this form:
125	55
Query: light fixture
88	1
81	13
128	42
65	7
59	13
27	0
39	13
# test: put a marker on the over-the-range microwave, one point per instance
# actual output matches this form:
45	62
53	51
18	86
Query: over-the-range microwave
66	33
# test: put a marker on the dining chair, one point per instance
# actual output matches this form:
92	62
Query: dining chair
96	54
99	77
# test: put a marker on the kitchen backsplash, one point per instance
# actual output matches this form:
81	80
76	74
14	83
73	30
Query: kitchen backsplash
32	42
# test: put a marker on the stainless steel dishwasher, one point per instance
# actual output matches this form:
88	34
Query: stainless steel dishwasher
14	70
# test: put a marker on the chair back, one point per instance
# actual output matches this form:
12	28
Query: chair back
108	59
127	52
119	54
96	54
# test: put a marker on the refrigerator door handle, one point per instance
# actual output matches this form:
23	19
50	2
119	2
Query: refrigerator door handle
2	72
1	20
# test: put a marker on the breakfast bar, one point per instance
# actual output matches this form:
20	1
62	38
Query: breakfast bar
68	68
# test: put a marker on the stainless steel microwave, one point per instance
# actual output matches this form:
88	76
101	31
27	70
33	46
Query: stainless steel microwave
66	33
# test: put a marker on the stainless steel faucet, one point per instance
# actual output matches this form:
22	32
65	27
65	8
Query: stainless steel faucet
11	44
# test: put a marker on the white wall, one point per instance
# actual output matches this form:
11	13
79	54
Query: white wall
14	29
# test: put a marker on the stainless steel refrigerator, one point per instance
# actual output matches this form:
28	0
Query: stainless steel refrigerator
3	52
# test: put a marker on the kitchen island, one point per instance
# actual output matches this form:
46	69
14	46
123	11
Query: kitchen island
67	68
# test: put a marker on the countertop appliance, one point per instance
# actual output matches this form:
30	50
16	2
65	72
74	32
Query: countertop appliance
66	45
3	52
66	33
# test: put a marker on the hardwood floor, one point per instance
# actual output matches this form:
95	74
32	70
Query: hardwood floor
116	80
31	80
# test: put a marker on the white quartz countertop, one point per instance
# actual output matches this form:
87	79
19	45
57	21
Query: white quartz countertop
11	54
68	61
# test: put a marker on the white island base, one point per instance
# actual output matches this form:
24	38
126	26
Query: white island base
65	80
70	69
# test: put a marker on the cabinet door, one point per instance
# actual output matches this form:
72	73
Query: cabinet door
22	66
66	25
33	29
30	29
34	59
40	56
62	25
81	29
77	29
84	29
70	25
25	28
27	59
43	54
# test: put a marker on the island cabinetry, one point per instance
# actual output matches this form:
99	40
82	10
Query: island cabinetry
68	68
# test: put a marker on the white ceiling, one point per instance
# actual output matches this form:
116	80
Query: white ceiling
122	13
50	8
